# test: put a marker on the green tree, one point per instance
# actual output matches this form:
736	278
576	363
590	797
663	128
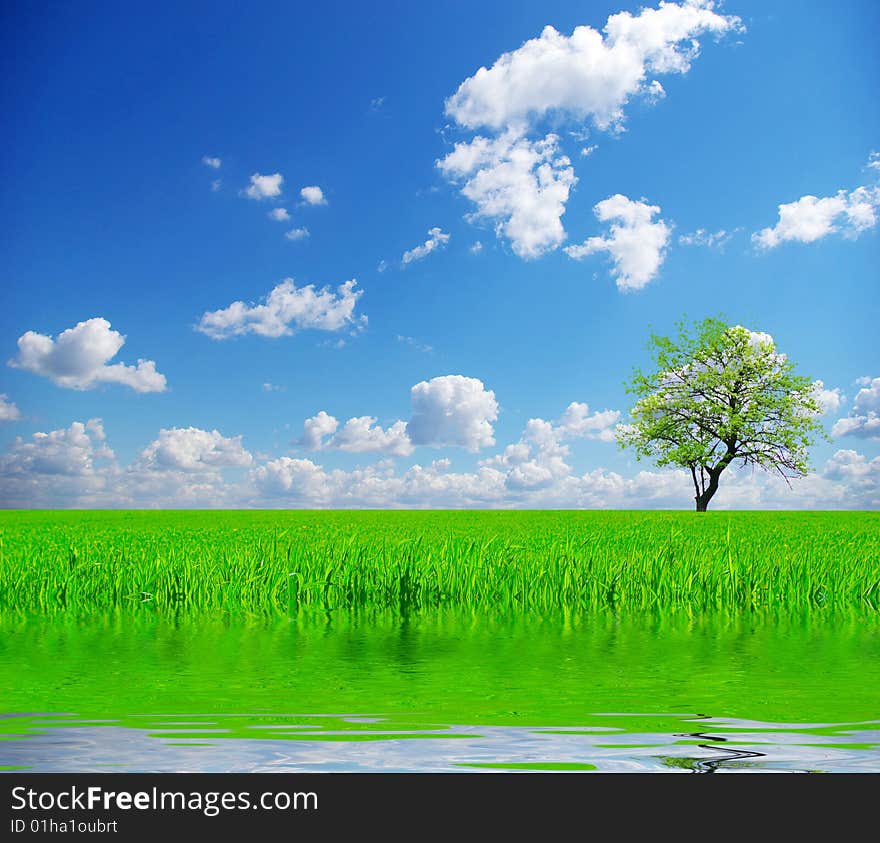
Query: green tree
719	394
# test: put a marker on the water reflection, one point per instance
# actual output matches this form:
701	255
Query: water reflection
373	744
442	691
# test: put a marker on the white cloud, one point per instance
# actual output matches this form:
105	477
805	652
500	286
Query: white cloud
864	418
812	218
637	245
192	450
183	467
830	400
213	163
315	429
66	467
75	467
305	483
578	423
71	451
587	76
759	338
864	427
313	195
436	239
868	397
216	185
8	410
476	248
848	481
297	234
874	161
538	459
361	435
858	478
287	476
264	187
452	410
279	214
654	92
521	185
586	151
848	464
273	387
79	358
287	309
710	239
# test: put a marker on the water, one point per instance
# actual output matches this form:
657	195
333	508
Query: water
443	691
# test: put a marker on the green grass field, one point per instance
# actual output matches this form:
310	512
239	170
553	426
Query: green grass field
264	563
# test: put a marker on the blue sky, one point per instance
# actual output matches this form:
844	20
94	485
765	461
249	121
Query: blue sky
616	179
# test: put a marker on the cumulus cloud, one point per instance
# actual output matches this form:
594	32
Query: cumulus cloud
297	234
359	435
79	358
8	410
864	418
213	163
476	248
70	451
64	467
362	435
452	410
857	469
830	400
279	214
520	185
636	244
578	423
264	187
313	195
436	239
587	76
304	483
193	450
848	481
74	467
315	429
184	467
538	459
287	476
287	309
856	477
813	218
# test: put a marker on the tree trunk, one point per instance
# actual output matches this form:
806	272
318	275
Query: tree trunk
704	498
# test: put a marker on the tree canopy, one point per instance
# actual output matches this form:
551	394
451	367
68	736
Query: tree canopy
718	395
